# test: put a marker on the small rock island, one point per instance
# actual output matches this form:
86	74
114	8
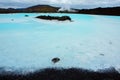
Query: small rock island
62	18
55	60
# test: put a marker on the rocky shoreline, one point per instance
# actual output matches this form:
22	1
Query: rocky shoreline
63	74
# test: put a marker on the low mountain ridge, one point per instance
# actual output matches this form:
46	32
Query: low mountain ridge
42	8
51	9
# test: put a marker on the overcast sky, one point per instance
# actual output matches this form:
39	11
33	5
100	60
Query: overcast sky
70	3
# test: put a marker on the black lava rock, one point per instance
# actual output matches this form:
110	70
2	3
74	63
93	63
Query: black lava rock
55	60
62	18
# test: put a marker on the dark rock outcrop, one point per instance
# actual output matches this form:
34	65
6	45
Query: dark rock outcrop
55	60
26	15
63	74
62	18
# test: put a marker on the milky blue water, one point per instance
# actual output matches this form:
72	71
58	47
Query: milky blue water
90	41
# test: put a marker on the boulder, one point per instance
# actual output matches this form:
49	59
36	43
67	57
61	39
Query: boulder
55	60
26	15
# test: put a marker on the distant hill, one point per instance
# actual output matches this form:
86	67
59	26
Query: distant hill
102	11
51	9
32	9
42	8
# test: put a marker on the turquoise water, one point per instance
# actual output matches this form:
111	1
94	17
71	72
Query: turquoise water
31	43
